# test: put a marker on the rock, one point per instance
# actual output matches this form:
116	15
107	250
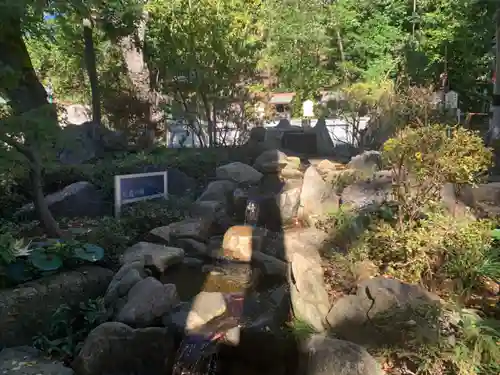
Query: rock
365	193
367	162
197	229
322	355
192	247
241	241
289	201
77	114
271	161
239	173
309	296
114	349
325	167
221	191
25	360
215	211
192	262
317	198
376	297
196	314
81	199
269	265
291	173
158	256
26	309
77	144
147	301
126	277
306	241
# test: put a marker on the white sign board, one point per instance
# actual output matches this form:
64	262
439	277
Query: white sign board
132	188
451	100
308	108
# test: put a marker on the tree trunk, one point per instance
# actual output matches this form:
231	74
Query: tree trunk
342	54
26	95
90	62
132	47
47	221
495	121
208	115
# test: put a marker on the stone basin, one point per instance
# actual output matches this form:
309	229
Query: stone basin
218	276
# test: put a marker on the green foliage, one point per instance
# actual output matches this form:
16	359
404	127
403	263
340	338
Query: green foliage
429	340
136	220
69	327
423	159
439	247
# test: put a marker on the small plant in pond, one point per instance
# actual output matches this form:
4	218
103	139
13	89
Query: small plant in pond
69	327
424	158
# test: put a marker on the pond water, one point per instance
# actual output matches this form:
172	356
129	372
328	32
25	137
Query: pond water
224	277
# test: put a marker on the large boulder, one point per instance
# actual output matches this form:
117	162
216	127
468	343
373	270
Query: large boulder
114	349
322	355
77	114
368	192
26	309
368	162
78	145
126	277
310	301
317	198
197	229
376	298
26	360
221	191
148	301
153	255
80	199
239	173
241	241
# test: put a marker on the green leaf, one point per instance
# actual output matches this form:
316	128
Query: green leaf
45	261
495	234
89	252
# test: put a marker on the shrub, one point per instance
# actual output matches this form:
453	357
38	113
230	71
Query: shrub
145	216
69	328
423	159
431	340
115	235
439	247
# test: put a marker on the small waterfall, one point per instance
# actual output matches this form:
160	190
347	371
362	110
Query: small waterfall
197	355
252	213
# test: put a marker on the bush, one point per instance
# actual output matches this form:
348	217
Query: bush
432	340
439	247
69	328
115	235
423	159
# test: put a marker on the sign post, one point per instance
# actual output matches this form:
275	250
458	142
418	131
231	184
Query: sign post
138	187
